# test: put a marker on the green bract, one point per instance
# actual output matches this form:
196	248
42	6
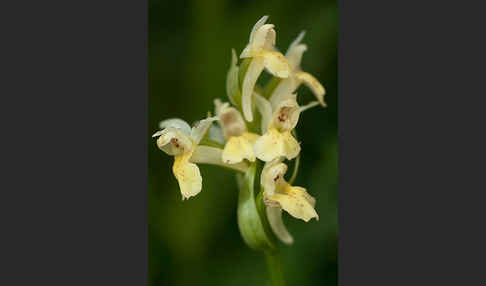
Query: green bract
252	222
232	81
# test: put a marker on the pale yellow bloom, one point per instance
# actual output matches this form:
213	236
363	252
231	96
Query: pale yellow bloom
277	140
239	148
187	174
261	48
288	85
239	142
178	139
279	194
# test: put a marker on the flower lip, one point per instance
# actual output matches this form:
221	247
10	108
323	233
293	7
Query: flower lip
188	175
295	200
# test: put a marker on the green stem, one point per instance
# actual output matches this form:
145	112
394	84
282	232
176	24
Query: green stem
274	268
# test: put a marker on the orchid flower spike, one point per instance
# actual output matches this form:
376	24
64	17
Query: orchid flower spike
278	194
288	85
261	48
178	139
277	140
239	142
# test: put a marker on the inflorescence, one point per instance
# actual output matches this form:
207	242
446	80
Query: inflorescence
256	123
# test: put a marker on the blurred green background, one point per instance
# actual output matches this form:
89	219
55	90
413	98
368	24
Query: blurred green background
196	242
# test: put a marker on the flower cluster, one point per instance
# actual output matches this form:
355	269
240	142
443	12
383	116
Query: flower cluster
257	123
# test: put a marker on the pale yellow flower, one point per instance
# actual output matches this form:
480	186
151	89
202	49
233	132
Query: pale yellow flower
239	142
261	48
178	139
277	140
288	85
279	194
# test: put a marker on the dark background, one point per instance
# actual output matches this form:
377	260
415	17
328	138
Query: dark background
197	242
75	160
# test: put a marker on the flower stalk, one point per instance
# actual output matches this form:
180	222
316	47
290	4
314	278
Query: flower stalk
274	266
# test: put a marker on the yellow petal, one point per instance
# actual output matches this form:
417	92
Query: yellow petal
296	41
274	144
282	91
291	148
257	26
237	149
264	38
188	176
246	53
301	192
294	55
311	82
253	72
251	137
270	40
276	63
295	201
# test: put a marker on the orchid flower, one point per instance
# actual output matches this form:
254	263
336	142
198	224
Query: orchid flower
178	139
261	48
239	137
278	194
296	77
277	140
239	142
